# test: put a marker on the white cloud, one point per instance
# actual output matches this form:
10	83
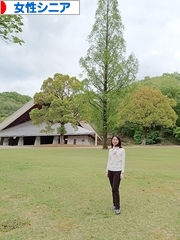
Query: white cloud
55	43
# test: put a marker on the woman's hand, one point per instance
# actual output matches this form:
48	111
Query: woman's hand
122	176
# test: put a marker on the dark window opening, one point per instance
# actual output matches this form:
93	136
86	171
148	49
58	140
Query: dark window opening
13	141
47	140
29	140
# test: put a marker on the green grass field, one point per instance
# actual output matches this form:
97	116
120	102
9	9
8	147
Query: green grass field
63	194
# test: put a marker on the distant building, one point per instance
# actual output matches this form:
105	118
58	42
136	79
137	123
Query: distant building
18	130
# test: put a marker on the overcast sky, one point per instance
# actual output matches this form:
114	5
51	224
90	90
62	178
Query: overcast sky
55	43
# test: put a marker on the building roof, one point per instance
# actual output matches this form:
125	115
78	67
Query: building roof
16	114
19	124
28	129
88	127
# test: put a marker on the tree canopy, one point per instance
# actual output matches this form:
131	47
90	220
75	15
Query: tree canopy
168	84
148	108
58	99
10	26
105	65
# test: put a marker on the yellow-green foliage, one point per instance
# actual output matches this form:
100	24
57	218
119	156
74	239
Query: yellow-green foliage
148	107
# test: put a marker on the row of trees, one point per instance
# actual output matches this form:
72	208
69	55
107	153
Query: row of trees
139	110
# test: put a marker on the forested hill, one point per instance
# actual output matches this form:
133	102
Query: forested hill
11	102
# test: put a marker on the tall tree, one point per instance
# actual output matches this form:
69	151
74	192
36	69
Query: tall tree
148	108
105	66
59	103
10	26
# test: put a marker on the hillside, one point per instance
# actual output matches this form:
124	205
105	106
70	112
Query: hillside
168	83
11	102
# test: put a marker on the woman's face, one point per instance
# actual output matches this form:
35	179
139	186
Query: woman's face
115	141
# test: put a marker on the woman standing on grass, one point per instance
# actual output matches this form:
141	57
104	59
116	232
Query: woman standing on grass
115	170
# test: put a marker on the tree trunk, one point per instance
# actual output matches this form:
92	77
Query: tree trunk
162	135
105	146
61	139
105	127
62	132
105	87
144	136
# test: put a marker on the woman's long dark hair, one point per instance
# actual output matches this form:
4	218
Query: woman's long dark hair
119	143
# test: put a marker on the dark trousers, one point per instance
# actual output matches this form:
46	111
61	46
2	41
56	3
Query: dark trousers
114	179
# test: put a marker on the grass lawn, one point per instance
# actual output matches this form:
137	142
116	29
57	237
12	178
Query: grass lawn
63	194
